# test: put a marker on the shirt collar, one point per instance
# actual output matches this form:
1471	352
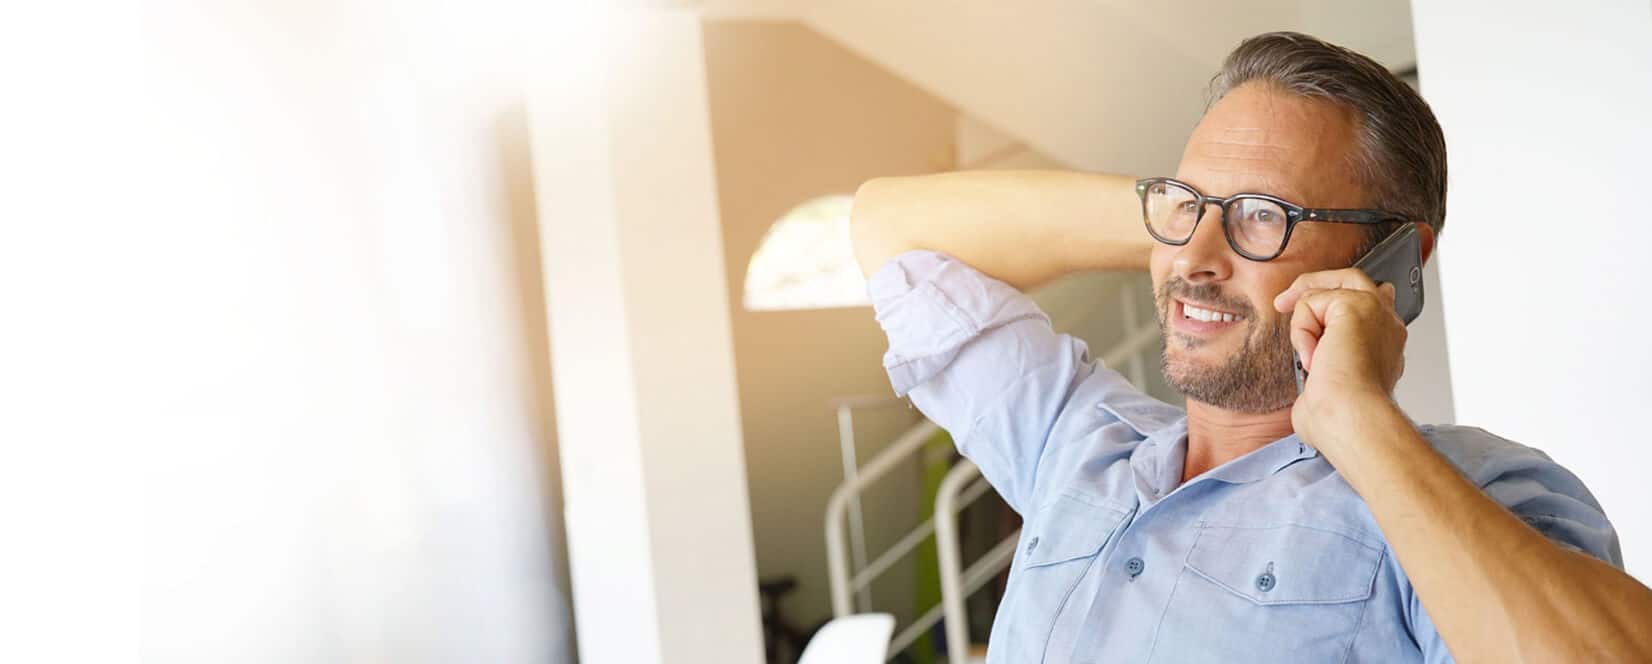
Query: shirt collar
1262	462
1158	461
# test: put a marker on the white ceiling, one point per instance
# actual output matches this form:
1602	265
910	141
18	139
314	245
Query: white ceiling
1098	84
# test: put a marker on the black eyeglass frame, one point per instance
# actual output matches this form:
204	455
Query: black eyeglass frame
1294	214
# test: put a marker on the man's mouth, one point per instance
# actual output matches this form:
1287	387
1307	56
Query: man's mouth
1205	314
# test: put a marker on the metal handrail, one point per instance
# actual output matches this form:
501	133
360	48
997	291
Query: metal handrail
947	549
845	407
912	539
952	498
837	565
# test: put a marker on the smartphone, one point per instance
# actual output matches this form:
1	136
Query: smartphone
1397	260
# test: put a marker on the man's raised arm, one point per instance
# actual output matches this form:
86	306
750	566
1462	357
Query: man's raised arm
1022	227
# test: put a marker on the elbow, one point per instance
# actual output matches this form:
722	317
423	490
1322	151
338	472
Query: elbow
870	232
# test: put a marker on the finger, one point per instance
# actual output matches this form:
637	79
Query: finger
1347	278
1304	342
1335	303
1387	292
1351	278
1306	327
1314	312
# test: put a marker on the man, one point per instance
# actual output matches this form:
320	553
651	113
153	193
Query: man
1261	524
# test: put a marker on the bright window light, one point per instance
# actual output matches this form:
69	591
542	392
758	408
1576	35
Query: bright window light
805	261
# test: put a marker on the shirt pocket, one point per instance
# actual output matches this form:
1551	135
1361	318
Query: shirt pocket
1276	592
1060	545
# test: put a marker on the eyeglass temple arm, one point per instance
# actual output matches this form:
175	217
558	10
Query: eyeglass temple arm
1349	216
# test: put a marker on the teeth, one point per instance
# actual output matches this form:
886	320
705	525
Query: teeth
1206	315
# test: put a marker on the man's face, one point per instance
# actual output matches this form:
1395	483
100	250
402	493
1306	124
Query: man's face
1258	140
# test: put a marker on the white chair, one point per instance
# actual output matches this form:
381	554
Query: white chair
857	639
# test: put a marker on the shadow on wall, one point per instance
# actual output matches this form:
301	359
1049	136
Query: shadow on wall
510	132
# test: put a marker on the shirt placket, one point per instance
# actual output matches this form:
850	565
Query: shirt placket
1070	622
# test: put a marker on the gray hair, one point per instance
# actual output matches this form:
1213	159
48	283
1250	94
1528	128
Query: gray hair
1401	160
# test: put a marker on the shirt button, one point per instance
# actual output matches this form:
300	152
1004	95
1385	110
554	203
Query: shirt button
1032	544
1134	567
1265	581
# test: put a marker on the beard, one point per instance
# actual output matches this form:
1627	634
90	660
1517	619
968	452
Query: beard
1256	379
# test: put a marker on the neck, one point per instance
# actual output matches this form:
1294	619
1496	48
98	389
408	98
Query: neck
1216	436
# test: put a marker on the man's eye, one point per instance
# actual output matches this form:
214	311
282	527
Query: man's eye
1189	206
1266	216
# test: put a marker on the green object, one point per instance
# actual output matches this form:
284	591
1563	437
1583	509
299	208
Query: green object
938	455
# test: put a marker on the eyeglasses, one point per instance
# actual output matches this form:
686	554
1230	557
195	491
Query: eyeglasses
1257	225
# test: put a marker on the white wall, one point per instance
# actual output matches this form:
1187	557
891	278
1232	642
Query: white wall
71	411
659	523
350	461
1424	391
1545	111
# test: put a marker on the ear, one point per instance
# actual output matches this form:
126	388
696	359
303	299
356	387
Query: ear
1425	233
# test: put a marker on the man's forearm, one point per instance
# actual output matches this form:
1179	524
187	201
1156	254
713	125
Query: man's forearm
1497	590
1023	227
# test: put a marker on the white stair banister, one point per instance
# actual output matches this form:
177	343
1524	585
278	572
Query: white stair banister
837	563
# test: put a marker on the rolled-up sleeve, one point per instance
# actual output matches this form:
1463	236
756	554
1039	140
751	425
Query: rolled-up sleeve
980	359
1552	500
1544	494
1539	491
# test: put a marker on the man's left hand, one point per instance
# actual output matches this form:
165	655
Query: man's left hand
1344	328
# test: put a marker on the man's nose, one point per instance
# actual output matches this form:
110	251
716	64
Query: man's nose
1206	257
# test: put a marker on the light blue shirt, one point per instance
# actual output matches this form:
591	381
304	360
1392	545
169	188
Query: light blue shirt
1270	557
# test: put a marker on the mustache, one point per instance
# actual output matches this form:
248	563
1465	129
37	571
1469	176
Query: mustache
1207	293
